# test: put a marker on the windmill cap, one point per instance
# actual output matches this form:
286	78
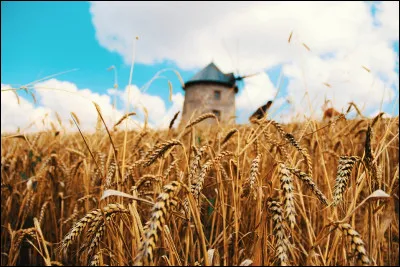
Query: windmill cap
212	74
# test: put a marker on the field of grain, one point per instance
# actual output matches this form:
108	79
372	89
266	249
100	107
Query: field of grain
315	193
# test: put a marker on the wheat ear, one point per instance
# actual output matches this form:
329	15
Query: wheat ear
200	119
357	244
310	183
302	150
344	169
198	186
279	232
160	210
159	150
249	185
370	161
97	227
287	188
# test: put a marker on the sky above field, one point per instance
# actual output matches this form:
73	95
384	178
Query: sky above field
343	52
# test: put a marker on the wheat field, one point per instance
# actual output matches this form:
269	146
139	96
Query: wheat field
312	193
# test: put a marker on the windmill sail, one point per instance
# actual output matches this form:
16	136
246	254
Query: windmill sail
239	78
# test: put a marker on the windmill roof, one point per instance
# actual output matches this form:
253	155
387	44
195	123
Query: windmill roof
211	73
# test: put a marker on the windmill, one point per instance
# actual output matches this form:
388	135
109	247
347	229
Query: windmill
211	90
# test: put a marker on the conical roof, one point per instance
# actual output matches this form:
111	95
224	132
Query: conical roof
211	73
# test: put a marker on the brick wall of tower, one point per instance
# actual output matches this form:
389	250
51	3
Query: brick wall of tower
200	99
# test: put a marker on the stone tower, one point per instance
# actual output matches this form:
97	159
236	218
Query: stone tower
210	90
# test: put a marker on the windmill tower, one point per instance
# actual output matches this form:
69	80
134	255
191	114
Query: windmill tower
211	90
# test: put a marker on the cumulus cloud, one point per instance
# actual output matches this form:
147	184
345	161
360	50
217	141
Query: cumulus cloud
158	115
177	105
341	81
388	18
338	50
330	43
214	29
65	97
258	90
54	96
22	115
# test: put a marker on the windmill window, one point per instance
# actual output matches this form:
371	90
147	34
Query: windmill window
217	113
217	95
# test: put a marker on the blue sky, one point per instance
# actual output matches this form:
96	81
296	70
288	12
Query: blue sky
44	38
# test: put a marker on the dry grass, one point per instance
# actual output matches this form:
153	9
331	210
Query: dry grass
262	194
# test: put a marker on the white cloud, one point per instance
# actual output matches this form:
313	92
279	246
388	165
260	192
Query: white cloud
65	97
248	36
158	115
154	104
55	96
14	115
340	80
253	36
177	105
192	33
385	115
258	90
388	18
